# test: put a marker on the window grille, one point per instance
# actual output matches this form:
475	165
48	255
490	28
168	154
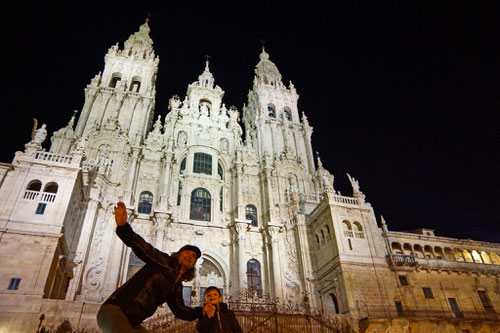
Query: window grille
40	209
200	205
427	292
145	202
14	283
251	214
202	163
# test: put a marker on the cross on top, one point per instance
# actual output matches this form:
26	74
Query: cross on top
207	57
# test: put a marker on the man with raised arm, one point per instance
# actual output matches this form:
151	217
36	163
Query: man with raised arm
157	282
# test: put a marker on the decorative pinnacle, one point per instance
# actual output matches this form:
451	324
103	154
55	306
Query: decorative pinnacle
320	165
207	57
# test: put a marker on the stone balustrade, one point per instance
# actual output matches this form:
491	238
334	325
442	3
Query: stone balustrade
39	196
51	157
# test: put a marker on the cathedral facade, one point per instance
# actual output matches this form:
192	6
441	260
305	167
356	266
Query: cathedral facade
243	185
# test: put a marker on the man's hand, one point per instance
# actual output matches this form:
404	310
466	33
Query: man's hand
208	310
120	214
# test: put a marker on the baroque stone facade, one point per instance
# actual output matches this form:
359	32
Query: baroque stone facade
252	198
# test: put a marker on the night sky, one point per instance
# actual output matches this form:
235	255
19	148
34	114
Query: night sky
404	97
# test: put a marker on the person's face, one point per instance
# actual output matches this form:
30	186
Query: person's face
212	297
187	258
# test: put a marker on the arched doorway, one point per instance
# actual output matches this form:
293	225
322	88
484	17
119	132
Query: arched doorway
208	273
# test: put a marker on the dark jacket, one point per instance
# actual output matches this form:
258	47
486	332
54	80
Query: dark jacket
227	321
153	285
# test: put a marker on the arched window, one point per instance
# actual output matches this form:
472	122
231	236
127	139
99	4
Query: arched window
200	205
467	256
495	258
183	166
145	202
357	226
287	113
458	255
251	214
34	185
428	252
134	265
254	276
51	188
396	248
407	249
114	80
271	111
202	163
179	193
220	172
221	199
417	249
335	303
476	257
136	84
438	251
485	257
346	225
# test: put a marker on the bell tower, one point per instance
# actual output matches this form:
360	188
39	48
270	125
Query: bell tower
124	94
272	120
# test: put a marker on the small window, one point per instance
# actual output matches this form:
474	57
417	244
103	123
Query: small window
271	112
183	166
136	84
145	202
220	172
427	292
114	80
327	229
221	196
399	308
51	188
350	244
41	208
251	214
14	283
179	193
202	163
200	205
317	239
288	114
485	301
34	185
403	280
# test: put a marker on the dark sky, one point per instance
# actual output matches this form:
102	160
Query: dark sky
404	97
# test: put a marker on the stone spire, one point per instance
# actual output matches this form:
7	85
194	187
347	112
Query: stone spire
206	79
140	44
266	71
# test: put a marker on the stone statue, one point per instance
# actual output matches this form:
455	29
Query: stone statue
224	145
182	138
175	102
354	184
204	110
40	135
293	183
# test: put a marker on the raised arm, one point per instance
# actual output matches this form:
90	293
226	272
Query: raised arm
145	251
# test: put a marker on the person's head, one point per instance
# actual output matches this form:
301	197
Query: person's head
212	295
186	257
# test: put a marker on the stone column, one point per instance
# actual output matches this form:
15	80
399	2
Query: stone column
161	221
240	228
166	181
128	197
239	173
82	249
276	263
